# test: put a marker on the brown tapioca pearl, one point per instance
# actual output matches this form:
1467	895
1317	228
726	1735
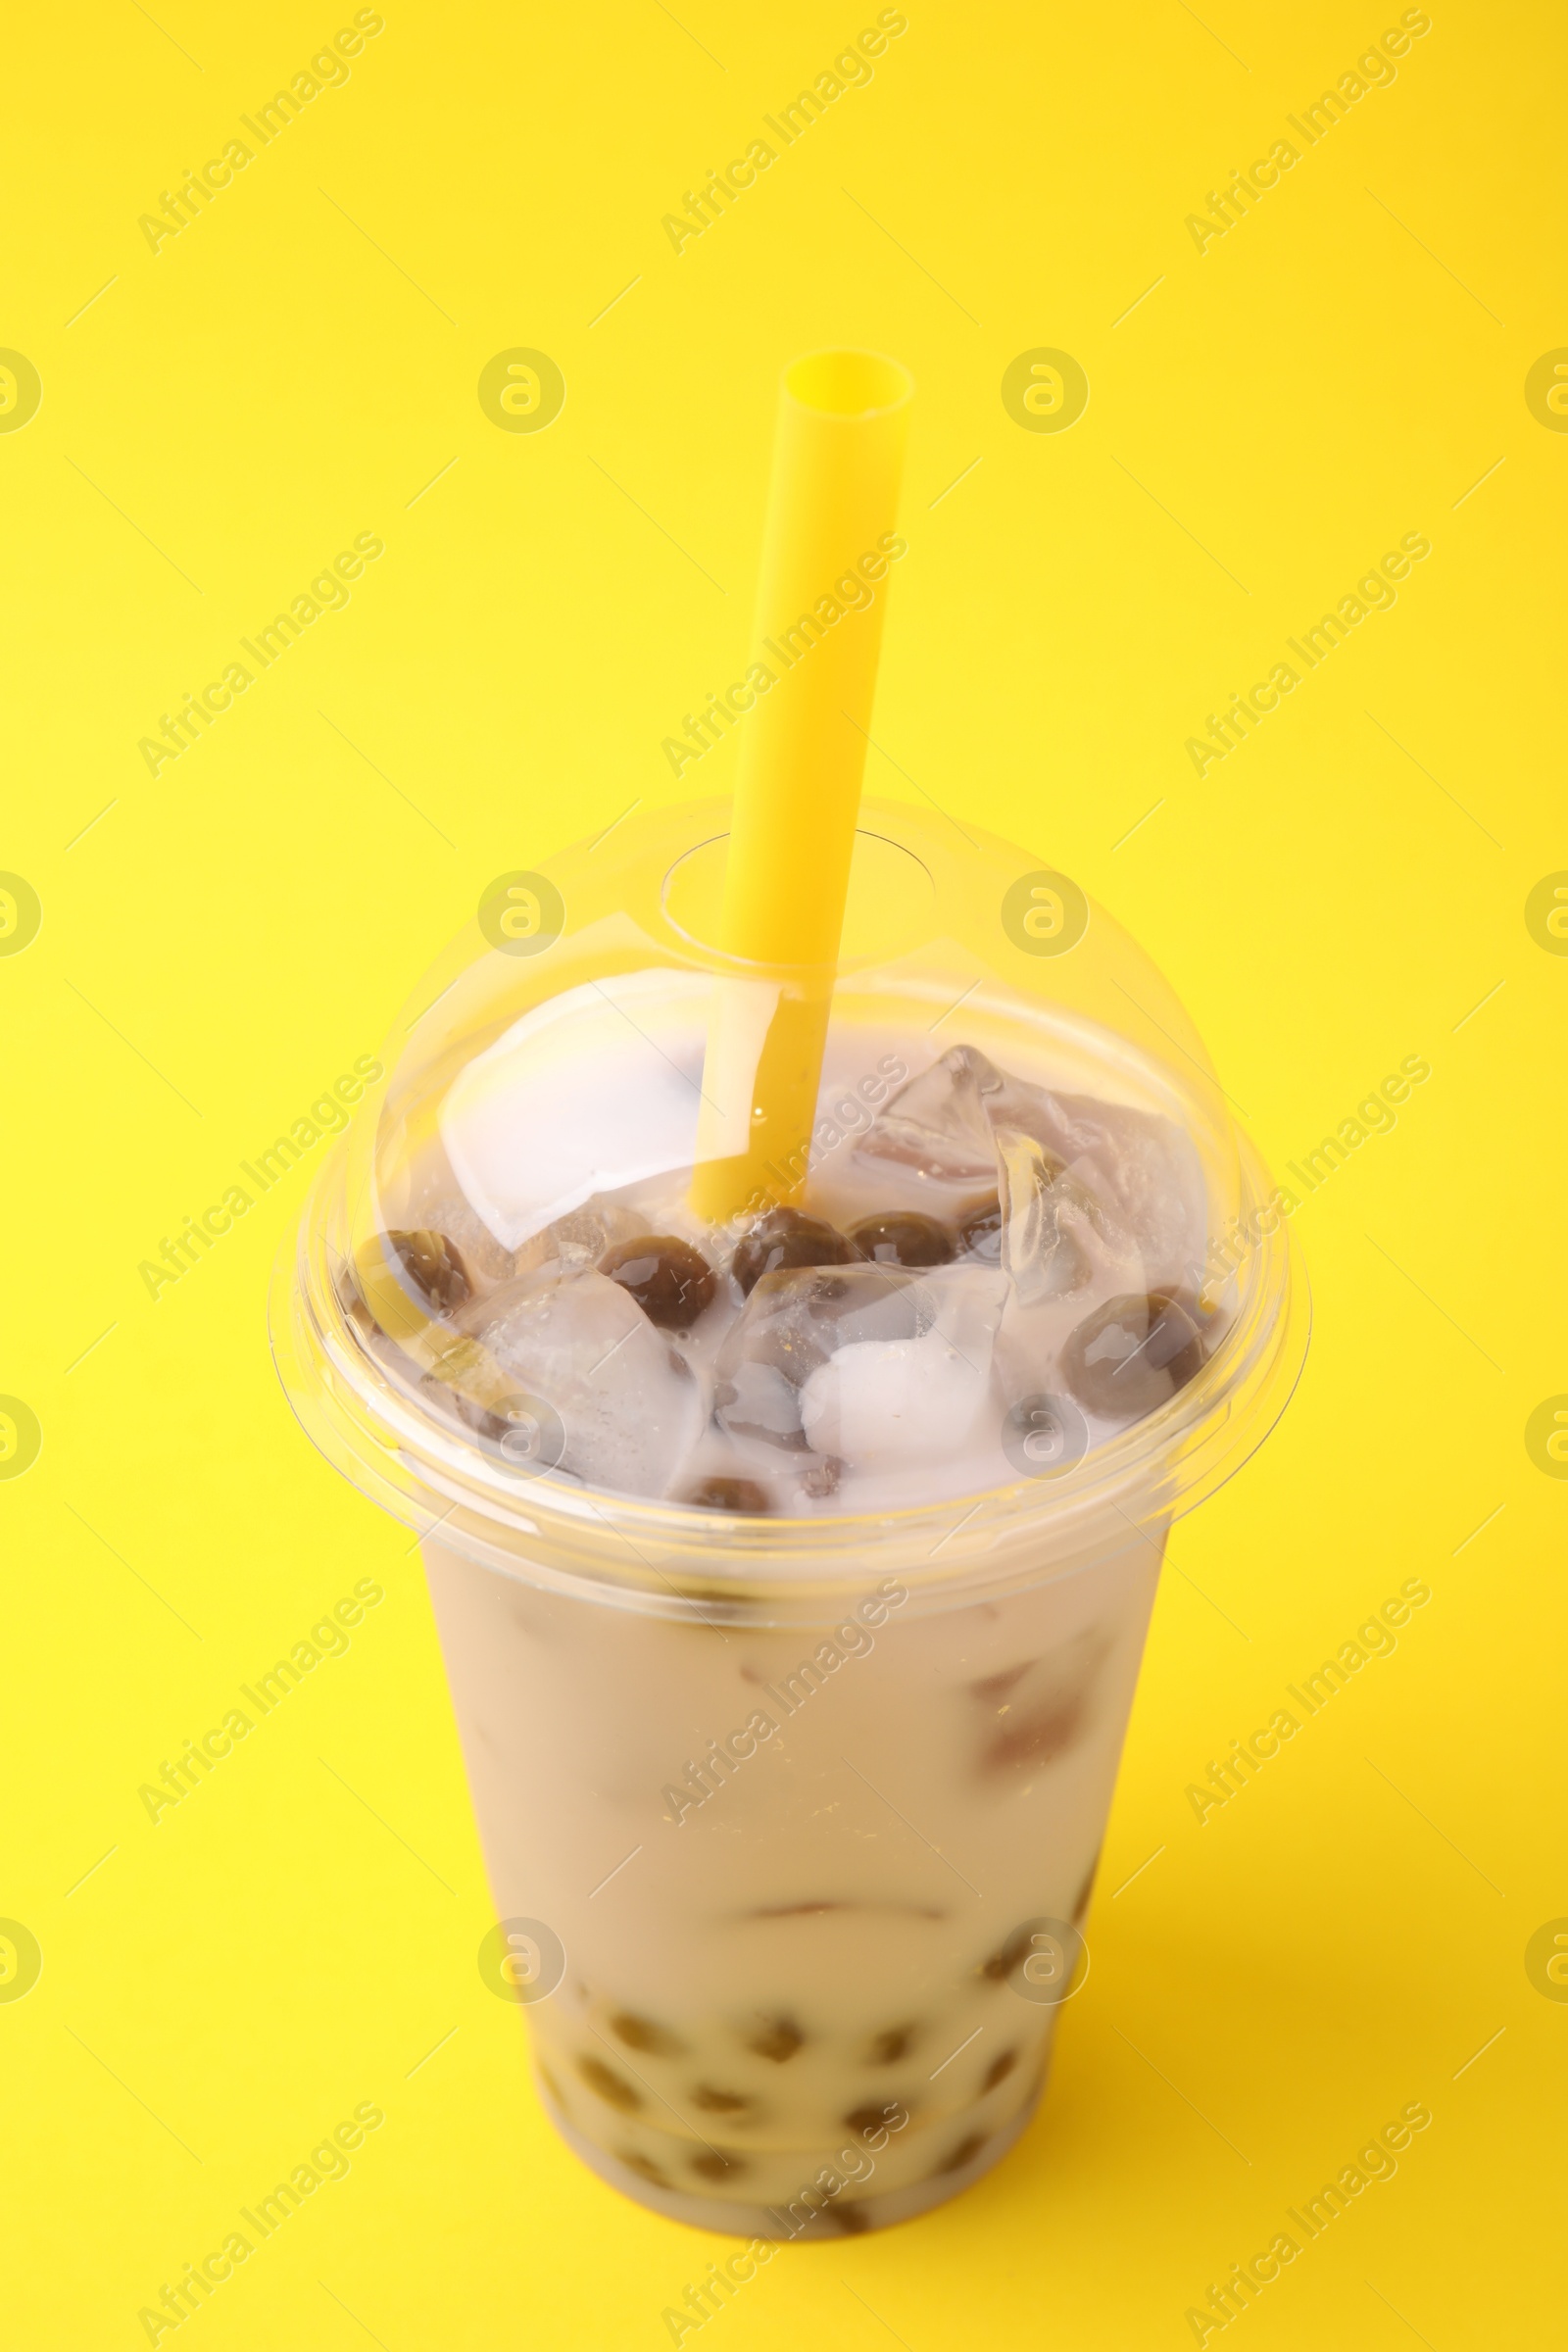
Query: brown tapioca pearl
670	1280
722	2102
1038	1735
1133	1354
1000	2069
815	1910
961	2155
980	1230
742	1495
778	2038
642	2033
711	1606
851	2218
637	2162
992	1689
1006	1957
783	1239
434	1267
1081	1905
607	2084
877	2116
891	2044
720	2165
902	1237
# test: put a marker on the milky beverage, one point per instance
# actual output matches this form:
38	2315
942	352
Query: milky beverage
791	1573
793	1893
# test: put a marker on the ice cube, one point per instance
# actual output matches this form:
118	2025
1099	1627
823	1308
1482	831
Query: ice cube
1064	1253
943	1125
881	1401
580	1238
792	1323
1056	1236
1139	1166
1032	1336
870	1363
936	1127
596	1088
630	1407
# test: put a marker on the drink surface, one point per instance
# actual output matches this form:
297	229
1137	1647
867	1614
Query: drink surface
987	1274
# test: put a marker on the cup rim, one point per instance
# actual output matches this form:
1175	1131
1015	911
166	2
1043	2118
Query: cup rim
651	1552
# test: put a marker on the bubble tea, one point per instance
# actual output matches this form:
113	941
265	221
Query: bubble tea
792	1567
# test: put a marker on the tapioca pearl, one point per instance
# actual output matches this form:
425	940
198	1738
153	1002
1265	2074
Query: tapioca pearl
777	2038
1133	1354
851	2217
1000	1965
434	1266
806	1910
742	1496
637	2162
724	2102
642	2033
980	1230
992	1689
1081	1903
785	1238
891	2044
718	2164
607	2084
1000	2069
877	2117
964	2153
902	1237
711	1606
670	1280
524	1431
1038	1735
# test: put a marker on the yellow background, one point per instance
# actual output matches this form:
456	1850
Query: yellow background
294	368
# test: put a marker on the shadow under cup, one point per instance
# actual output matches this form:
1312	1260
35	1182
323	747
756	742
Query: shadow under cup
791	1821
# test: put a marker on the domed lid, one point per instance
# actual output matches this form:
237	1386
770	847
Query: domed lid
1014	1266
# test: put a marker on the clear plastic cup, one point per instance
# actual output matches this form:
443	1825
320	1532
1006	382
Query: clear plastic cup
790	1820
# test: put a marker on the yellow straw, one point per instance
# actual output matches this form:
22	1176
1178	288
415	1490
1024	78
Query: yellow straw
828	547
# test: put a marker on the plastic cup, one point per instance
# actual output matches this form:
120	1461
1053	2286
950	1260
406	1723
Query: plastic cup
791	1821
